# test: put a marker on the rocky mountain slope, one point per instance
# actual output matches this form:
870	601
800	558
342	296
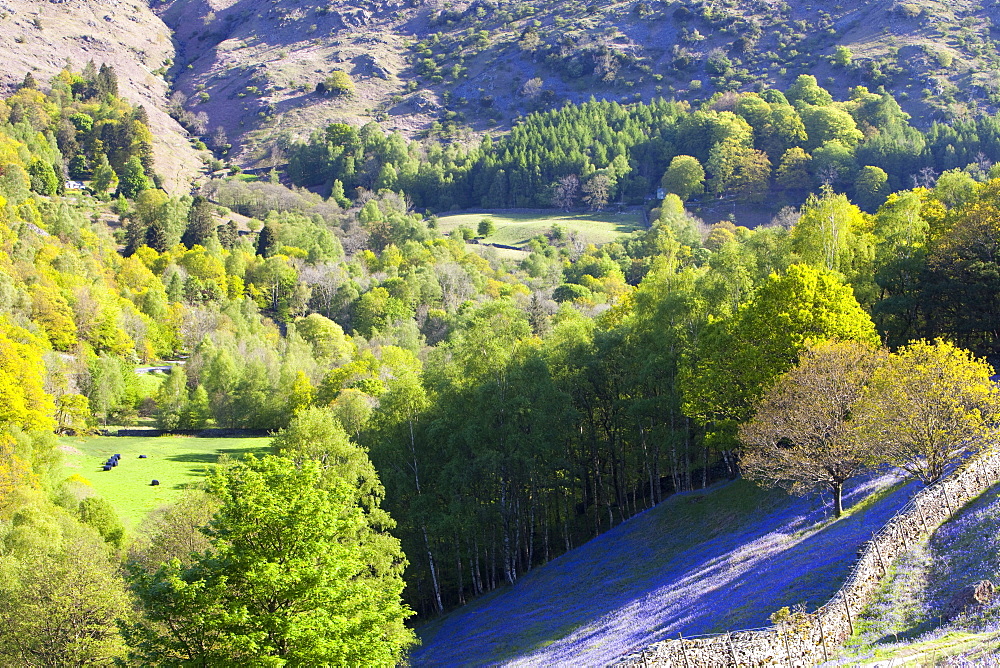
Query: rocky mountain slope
45	37
423	65
251	67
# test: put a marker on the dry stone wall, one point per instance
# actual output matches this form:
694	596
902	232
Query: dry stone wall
815	637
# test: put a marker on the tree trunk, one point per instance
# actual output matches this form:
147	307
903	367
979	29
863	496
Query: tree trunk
492	570
651	501
838	503
546	518
434	579
508	557
477	576
567	504
458	560
531	527
704	469
687	483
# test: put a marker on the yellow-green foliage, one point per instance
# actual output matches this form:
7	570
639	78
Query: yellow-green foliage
23	400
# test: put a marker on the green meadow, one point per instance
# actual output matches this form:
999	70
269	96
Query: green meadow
176	461
516	229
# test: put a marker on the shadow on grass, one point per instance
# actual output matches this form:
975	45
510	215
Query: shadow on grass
195	457
213	457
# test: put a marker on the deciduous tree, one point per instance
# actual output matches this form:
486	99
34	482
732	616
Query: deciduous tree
284	581
172	399
565	191
736	359
132	178
961	290
60	596
793	171
900	231
927	407
801	436
685	177
833	233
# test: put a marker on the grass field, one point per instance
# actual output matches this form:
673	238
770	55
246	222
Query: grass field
175	461
150	383
516	229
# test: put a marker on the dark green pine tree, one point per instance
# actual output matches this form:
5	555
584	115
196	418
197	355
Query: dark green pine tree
537	317
156	236
200	224
135	236
106	82
267	241
140	114
175	287
228	234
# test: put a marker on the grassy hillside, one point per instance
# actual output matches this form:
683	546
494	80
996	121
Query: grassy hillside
735	554
917	615
175	461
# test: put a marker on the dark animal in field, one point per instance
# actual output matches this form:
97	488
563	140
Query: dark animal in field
142	456
155	483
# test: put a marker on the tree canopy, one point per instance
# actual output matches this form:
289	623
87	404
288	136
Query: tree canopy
282	580
931	404
736	359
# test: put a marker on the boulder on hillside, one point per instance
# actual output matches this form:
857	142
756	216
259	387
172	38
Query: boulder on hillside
970	597
368	65
424	102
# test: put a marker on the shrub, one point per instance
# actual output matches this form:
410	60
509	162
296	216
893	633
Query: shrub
486	227
842	56
337	83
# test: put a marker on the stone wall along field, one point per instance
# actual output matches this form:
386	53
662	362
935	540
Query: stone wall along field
814	637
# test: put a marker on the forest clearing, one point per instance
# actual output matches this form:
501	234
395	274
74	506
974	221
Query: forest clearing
517	229
176	461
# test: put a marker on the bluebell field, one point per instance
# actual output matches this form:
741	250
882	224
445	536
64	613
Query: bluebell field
913	603
700	562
